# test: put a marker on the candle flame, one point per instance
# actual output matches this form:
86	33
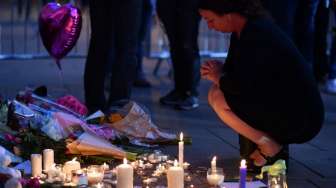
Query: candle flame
175	163
214	158
243	163
181	136
125	161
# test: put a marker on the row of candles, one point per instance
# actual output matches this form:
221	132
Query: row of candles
175	174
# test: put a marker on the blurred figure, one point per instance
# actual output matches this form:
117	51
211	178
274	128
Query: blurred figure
296	18
331	82
181	21
114	26
321	59
145	27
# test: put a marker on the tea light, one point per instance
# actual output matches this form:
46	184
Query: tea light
141	164
48	159
70	166
175	176
181	150
105	167
94	176
185	165
242	173
125	175
213	179
36	163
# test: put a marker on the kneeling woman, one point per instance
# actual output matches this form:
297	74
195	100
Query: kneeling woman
265	91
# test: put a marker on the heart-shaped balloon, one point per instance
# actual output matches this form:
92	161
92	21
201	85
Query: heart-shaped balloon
60	27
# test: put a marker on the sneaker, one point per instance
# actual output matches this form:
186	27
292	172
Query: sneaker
331	86
189	103
172	98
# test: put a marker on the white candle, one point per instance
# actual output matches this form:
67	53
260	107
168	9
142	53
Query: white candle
181	150
213	164
175	176
36	164
48	159
125	175
69	166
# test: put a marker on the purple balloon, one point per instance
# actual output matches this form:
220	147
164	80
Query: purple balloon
60	27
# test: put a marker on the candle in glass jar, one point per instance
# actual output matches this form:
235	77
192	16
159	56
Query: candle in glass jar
181	150
48	159
215	179
36	164
242	173
175	176
125	175
95	177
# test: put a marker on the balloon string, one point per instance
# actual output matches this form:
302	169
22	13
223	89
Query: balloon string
61	78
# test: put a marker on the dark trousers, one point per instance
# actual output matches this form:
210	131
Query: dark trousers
181	21
332	66
143	35
296	18
321	64
114	26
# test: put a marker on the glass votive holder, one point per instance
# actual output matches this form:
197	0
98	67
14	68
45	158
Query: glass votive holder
215	177
95	174
278	181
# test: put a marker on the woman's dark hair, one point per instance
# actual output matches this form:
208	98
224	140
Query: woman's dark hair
246	8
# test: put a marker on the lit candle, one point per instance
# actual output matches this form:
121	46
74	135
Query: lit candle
69	166
94	177
125	175
36	163
105	167
242	172
141	164
181	150
175	176
48	159
213	164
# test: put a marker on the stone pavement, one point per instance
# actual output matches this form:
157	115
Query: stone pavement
311	165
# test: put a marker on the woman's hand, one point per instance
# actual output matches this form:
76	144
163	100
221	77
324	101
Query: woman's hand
212	70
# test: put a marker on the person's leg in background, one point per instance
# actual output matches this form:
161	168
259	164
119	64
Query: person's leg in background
331	82
284	19
166	10
181	21
305	28
126	18
97	58
320	46
145	27
189	58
